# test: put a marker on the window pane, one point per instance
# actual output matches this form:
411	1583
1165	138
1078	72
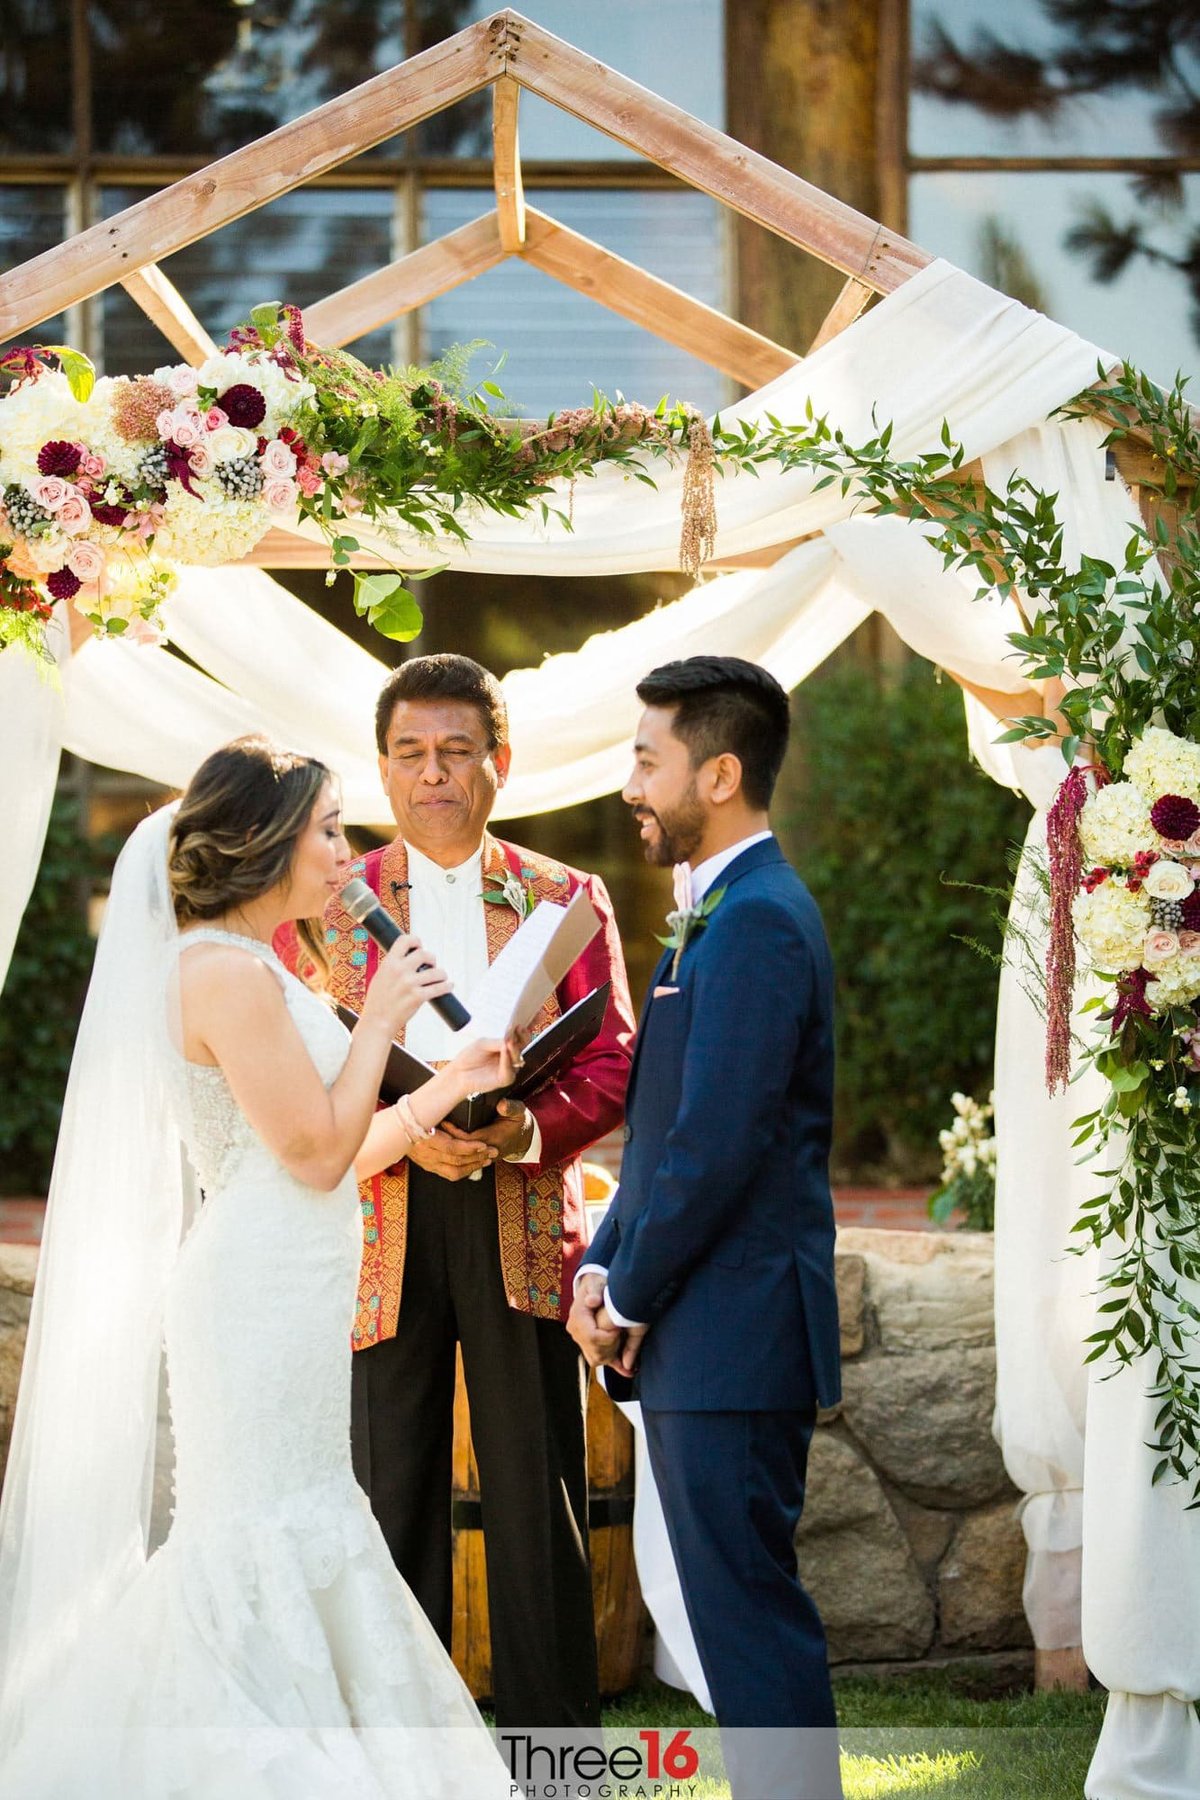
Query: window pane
673	47
559	344
186	80
299	248
1015	231
33	219
1045	78
35	76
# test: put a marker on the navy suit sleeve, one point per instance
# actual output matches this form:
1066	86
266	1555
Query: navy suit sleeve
603	1246
754	987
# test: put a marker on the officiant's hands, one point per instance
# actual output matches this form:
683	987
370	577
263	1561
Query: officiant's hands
511	1134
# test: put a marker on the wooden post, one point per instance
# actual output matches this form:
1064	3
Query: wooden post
506	159
237	184
166	307
626	289
788	206
407	283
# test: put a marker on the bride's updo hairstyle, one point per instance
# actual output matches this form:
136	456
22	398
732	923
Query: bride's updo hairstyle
237	827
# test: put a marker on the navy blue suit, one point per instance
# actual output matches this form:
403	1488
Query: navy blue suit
721	1239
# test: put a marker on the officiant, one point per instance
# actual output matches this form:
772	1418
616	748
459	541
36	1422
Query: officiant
474	1240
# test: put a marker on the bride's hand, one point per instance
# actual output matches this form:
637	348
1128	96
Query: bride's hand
401	984
486	1064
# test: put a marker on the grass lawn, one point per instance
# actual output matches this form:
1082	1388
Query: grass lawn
925	1738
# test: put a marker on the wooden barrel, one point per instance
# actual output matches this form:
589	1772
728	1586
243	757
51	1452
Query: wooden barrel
615	1590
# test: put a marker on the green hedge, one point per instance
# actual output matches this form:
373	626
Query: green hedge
39	1007
880	807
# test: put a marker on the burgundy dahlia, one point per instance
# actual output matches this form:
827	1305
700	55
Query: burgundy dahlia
63	584
1190	911
1174	817
109	515
59	458
243	405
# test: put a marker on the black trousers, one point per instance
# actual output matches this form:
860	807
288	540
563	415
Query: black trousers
526	1388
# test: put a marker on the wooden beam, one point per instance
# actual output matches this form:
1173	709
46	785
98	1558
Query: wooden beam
510	191
237	184
707	159
626	289
281	549
166	307
845	309
407	283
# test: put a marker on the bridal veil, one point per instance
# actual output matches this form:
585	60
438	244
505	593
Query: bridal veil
76	1505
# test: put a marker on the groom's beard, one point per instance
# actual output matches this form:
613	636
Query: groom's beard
677	834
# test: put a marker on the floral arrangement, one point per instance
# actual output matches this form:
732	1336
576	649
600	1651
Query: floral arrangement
1137	912
968	1166
106	485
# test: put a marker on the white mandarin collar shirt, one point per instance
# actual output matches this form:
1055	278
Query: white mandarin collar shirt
446	913
445	910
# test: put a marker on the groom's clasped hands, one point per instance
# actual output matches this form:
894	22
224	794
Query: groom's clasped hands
592	1328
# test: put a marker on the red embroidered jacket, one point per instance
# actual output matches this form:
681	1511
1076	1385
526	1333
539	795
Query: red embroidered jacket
539	1206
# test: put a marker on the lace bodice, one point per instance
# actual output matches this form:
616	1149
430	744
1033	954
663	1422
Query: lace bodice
216	1131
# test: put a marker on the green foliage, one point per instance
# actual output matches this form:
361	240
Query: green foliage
890	820
39	1007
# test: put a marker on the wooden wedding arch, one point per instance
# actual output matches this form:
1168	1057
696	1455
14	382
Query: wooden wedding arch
507	53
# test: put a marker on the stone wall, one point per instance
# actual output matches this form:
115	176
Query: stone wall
909	1542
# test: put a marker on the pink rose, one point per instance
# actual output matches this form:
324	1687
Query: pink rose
1189	943
50	491
187	428
334	463
215	419
182	379
309	480
86	560
280	494
278	459
74	515
200	461
92	465
1192	846
1160	947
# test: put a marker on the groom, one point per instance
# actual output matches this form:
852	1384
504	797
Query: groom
712	1275
473	1240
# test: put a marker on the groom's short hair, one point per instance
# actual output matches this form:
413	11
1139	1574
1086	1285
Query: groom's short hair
444	677
724	704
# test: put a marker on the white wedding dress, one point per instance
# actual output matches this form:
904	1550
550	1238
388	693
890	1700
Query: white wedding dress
269	1650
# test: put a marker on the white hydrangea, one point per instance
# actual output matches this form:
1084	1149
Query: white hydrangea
1161	763
209	531
1176	983
1112	924
1115	824
35	413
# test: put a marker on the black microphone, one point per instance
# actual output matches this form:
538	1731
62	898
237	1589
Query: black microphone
364	908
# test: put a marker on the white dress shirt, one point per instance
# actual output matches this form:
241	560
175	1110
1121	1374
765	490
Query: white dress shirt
702	878
446	913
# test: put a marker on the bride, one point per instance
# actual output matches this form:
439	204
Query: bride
268	1650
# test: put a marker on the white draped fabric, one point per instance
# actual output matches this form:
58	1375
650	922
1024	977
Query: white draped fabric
32	717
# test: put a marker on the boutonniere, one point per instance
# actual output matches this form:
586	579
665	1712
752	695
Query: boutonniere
510	890
685	922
